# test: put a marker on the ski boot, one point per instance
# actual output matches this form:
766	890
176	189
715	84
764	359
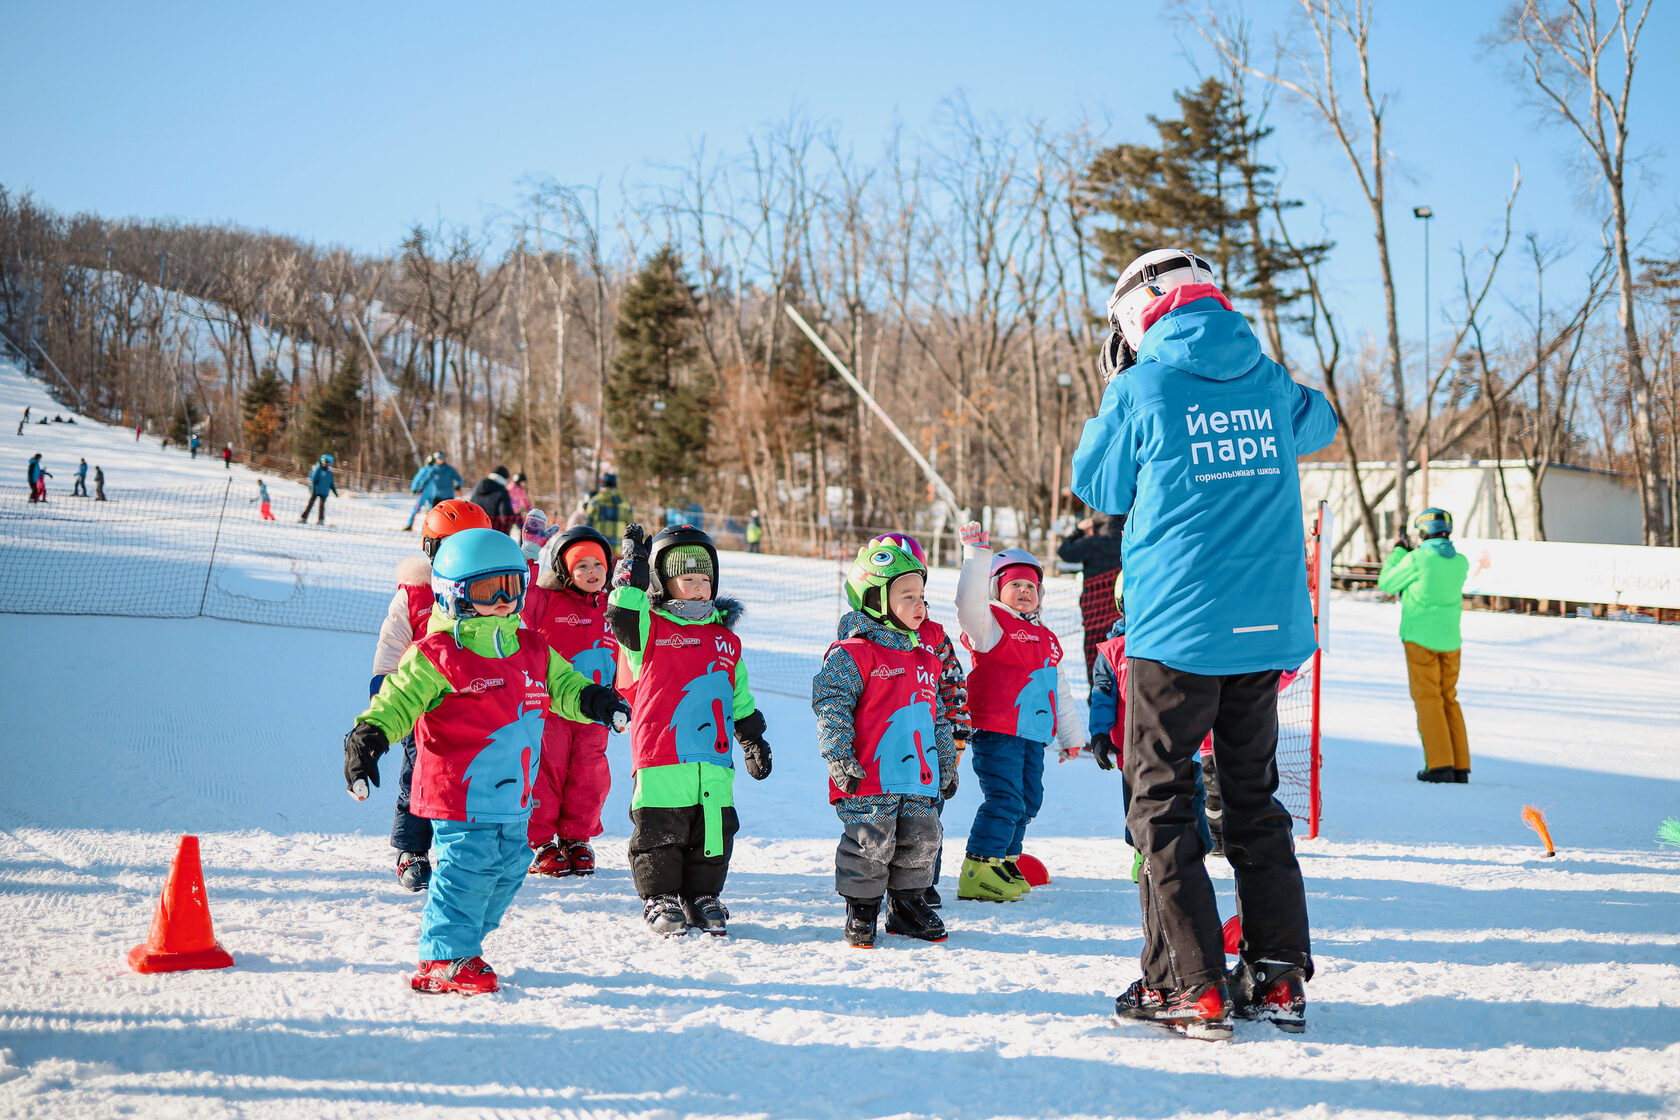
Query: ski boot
1021	884
467	976
985	880
414	870
664	915
1272	991
861	915
908	916
707	914
1202	1012
580	855
931	897
1439	774
1462	777
551	861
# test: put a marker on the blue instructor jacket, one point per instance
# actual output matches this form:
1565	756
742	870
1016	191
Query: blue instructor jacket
1197	444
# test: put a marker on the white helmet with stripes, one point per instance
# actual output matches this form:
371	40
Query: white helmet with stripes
1154	274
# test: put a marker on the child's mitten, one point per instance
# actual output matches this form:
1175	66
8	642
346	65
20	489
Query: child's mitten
972	533
362	748
1108	755
601	704
949	789
846	773
755	752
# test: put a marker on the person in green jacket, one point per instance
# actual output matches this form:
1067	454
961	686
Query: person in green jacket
1430	583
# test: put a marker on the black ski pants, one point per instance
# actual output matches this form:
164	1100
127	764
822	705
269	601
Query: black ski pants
668	851
1168	714
321	514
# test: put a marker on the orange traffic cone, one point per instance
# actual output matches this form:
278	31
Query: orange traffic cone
181	936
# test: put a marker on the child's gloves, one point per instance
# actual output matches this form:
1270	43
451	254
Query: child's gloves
362	748
755	752
949	789
846	773
973	534
632	567
602	705
1108	755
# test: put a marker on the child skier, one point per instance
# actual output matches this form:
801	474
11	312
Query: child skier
568	608
682	661
886	735
1014	689
264	507
534	532
405	623
474	695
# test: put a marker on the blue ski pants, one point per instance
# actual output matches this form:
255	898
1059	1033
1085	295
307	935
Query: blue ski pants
1011	773
476	871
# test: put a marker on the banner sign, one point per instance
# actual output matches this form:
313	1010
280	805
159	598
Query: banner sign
1618	574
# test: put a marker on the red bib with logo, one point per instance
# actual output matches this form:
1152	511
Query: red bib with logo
420	602
685	698
476	753
893	724
575	625
1012	689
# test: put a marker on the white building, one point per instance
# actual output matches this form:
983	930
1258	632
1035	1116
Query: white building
1581	505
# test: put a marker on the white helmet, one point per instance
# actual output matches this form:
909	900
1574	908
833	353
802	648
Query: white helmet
1154	274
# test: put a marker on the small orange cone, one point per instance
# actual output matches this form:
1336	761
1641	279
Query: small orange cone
181	937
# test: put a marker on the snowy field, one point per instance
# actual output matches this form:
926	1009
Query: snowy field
1459	974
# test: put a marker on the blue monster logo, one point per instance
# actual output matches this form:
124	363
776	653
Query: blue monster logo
500	777
1035	707
596	663
704	722
904	755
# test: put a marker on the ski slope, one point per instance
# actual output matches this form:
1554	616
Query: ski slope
1459	973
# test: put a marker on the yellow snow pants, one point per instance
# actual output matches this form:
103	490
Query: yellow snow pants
1433	676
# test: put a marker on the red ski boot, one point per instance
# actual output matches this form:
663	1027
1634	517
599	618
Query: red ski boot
552	861
1202	1012
581	856
468	976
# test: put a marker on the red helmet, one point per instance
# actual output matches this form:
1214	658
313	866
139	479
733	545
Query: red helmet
450	516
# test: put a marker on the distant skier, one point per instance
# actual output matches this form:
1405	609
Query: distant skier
491	495
320	485
98	483
79	488
1017	689
755	532
517	495
1430	583
1095	544
227	456
1196	440
434	482
192	445
38	476
607	509
265	508
478	743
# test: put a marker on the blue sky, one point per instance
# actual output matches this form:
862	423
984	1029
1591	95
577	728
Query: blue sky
346	123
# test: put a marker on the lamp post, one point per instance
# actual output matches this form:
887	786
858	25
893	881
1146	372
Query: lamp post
1424	214
1064	381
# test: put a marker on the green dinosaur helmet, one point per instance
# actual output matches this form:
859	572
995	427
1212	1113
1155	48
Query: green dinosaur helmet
878	563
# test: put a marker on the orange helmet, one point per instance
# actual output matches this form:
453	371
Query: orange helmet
450	516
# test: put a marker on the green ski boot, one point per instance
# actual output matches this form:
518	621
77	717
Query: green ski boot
1021	884
985	880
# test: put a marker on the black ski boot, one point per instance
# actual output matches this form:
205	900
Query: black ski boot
664	915
909	915
861	914
414	870
1462	777
931	897
1202	1012
1272	991
707	914
1438	774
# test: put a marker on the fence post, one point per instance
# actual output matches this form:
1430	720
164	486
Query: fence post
204	595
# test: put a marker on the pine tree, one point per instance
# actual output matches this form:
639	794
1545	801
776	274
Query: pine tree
264	409
330	416
658	394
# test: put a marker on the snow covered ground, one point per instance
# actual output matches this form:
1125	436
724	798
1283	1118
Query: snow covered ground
1458	972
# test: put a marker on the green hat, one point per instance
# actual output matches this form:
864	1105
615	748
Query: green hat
686	560
878	564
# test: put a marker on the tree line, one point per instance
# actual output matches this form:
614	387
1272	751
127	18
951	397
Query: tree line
960	274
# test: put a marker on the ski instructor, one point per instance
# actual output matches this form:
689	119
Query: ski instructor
1196	444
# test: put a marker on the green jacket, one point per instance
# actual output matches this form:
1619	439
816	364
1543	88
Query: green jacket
415	686
1430	582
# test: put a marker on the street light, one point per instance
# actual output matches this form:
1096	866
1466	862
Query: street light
1424	214
1064	381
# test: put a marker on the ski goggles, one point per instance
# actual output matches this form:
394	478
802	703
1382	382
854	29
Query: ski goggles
906	542
498	587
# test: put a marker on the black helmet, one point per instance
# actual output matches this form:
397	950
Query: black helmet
554	551
609	480
677	536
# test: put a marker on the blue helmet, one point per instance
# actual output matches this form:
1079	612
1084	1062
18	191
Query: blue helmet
1433	522
328	459
471	567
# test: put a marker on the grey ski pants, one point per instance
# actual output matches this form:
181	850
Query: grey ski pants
890	848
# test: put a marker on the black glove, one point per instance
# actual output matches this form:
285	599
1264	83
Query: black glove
1402	543
949	789
601	704
1108	755
362	748
755	752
